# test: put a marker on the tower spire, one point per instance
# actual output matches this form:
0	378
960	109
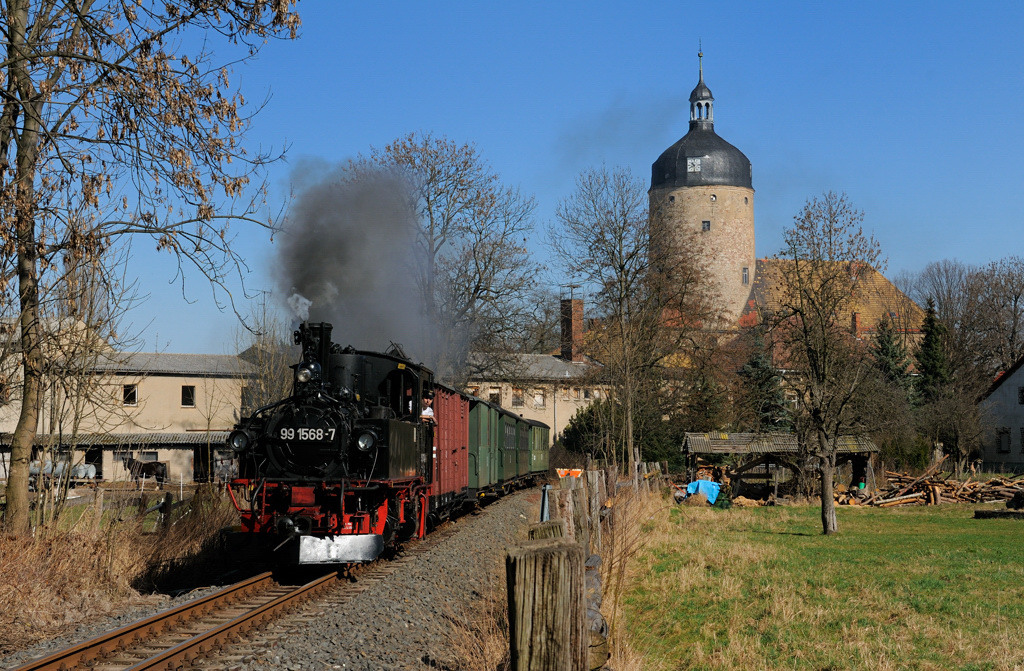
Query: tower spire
701	100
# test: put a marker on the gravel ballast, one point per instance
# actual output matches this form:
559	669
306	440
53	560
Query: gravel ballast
401	620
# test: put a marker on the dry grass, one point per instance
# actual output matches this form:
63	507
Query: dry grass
85	564
478	635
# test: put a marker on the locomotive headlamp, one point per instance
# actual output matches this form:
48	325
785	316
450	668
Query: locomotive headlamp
238	441
307	372
366	441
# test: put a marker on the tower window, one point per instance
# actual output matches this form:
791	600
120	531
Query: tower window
705	225
671	199
744	200
746	276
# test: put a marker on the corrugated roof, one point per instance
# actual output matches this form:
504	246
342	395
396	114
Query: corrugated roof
125	439
763	443
152	363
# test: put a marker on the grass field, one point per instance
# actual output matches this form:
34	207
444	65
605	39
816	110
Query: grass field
913	588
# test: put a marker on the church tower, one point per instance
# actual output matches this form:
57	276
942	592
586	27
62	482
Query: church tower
701	190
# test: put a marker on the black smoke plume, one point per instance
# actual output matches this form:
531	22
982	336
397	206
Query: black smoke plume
348	256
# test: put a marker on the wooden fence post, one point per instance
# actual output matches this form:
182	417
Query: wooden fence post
553	528
546	609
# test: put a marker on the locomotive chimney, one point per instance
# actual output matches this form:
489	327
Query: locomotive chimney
572	329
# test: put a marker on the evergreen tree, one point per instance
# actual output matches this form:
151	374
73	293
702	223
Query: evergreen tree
763	390
890	356
932	359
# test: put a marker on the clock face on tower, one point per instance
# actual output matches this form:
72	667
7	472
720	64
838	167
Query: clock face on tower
693	165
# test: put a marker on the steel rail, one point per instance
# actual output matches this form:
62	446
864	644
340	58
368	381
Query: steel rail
199	645
104	644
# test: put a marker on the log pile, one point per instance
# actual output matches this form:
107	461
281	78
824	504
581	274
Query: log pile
935	487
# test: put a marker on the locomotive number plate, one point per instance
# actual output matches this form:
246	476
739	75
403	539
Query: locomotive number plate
313	435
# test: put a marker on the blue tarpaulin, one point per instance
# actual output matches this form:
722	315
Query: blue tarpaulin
706	487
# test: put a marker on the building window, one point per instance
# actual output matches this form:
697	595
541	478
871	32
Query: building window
565	393
494	396
705	225
746	276
1003	442
576	393
188	396
473	391
587	394
538	398
148	456
517	397
131	394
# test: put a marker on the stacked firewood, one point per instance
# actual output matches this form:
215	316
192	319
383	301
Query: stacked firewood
935	487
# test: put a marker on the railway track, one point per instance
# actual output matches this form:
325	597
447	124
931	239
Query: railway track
208	631
185	634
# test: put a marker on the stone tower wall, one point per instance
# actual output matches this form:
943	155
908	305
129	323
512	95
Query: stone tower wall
728	244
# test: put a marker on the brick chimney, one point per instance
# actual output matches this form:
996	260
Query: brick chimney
572	329
855	323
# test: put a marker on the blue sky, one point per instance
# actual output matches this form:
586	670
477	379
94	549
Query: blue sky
913	109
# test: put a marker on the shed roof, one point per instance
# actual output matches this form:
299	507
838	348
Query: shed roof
763	443
188	438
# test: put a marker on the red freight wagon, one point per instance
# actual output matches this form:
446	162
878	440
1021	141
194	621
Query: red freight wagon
451	445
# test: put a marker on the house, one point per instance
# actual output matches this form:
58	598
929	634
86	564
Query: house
1002	444
171	408
549	388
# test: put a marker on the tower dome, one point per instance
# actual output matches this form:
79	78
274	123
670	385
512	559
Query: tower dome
701	157
702	199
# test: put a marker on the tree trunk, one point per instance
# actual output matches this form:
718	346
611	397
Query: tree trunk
829	524
17	514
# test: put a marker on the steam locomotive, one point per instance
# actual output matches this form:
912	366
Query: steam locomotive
354	462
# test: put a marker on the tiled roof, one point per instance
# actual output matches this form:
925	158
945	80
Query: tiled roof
876	298
152	363
763	443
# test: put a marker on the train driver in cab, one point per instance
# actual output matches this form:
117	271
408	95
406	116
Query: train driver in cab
427	411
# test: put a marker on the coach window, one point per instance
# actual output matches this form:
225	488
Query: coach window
188	396
131	394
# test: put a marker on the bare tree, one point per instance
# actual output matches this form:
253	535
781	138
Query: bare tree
817	279
475	270
267	353
647	291
112	126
